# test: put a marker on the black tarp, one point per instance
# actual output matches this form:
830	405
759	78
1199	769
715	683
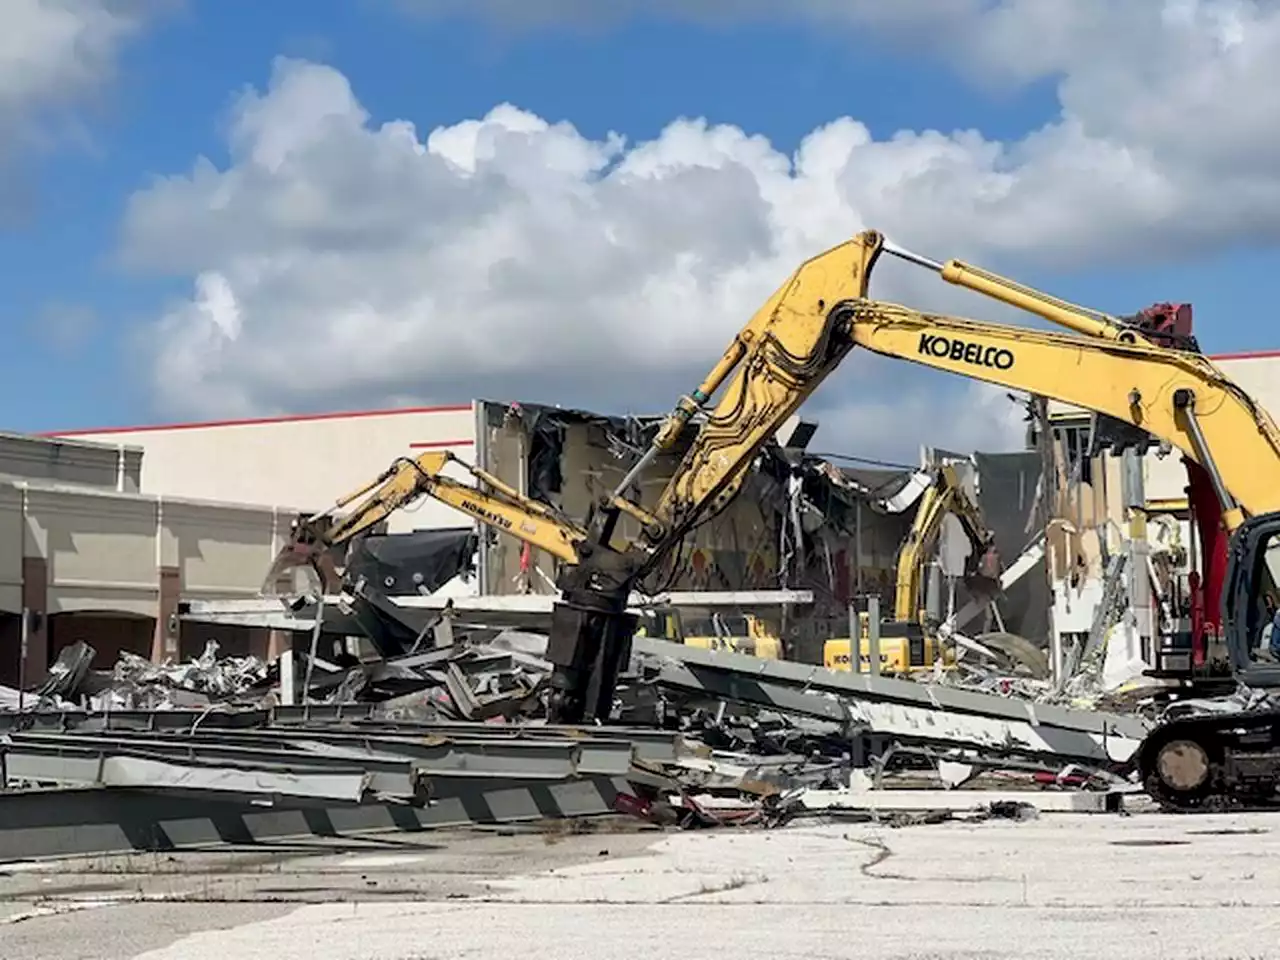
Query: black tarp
401	562
1007	497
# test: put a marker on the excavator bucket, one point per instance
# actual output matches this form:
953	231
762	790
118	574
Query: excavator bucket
305	555
982	573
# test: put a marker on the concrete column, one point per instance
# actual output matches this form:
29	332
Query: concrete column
35	598
165	641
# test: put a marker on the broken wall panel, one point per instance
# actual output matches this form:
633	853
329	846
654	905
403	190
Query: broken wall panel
736	550
1007	484
847	549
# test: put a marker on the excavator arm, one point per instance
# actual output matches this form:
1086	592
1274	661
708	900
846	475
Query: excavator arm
810	324
771	368
803	332
409	479
790	346
1175	396
944	496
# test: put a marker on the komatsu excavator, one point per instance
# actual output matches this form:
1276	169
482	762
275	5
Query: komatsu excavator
1141	372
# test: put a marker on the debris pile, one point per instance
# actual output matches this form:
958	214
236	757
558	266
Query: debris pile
139	684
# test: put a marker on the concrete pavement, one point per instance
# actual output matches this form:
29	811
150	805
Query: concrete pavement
1067	885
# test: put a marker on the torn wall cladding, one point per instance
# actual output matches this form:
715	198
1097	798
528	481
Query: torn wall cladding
571	458
1007	496
800	522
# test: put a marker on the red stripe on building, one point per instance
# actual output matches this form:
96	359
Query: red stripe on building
261	421
1247	355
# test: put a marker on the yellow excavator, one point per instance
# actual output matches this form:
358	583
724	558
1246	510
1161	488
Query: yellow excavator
804	330
908	642
316	538
734	633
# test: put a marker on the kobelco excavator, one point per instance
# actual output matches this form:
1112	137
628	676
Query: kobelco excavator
1141	372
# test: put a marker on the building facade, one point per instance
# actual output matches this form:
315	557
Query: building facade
86	555
308	460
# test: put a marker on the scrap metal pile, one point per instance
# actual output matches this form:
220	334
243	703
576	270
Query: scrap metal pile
158	756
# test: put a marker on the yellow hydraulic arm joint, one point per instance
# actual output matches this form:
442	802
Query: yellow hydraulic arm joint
770	369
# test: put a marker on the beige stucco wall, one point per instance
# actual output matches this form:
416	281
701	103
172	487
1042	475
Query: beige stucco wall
104	550
100	549
12	536
108	466
221	550
306	461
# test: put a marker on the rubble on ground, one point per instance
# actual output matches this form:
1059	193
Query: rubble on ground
707	739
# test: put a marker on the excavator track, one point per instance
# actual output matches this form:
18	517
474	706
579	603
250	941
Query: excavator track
1214	763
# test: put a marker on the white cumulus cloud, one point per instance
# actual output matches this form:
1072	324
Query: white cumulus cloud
54	53
341	260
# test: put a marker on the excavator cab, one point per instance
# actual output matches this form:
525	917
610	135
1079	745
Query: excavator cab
1253	572
1222	760
1240	652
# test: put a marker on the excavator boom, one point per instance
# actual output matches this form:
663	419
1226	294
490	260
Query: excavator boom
945	496
409	479
810	323
1179	397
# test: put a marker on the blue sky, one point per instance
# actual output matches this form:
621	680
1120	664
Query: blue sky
176	83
